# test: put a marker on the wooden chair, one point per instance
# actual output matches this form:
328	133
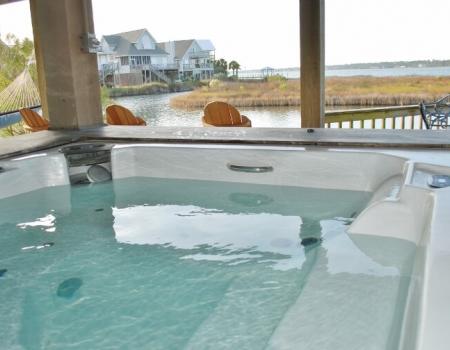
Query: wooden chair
119	115
223	114
33	121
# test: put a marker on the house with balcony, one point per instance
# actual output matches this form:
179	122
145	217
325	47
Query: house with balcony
133	58
194	58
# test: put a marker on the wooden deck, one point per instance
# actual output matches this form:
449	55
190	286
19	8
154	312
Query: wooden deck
396	139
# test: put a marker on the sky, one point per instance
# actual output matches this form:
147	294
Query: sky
259	33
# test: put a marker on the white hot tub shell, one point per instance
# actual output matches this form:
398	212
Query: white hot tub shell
402	204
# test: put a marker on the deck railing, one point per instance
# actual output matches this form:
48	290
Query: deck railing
402	117
168	66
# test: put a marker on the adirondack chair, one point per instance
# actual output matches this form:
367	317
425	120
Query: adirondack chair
33	121
223	114
119	115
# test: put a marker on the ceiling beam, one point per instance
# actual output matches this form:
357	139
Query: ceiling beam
4	2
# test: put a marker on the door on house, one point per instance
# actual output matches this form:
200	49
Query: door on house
146	76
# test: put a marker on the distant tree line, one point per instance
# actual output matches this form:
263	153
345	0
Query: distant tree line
397	64
15	54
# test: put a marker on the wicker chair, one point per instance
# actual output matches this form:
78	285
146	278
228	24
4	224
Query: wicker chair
223	114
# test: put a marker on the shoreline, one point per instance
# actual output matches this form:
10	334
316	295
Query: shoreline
153	88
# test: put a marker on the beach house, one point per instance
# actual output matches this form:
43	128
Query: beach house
194	58
133	58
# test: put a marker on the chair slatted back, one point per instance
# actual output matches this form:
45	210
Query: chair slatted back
119	115
221	113
33	120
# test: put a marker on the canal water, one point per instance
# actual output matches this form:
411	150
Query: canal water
156	110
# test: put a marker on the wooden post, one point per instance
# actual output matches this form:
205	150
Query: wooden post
39	64
68	77
312	55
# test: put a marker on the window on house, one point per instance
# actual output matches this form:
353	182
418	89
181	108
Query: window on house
124	61
136	60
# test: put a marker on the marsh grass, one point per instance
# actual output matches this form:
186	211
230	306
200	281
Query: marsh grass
339	91
13	130
146	89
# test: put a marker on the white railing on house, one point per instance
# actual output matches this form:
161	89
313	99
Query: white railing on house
198	66
200	54
152	68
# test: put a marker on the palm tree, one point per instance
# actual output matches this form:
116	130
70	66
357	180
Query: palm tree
234	66
220	66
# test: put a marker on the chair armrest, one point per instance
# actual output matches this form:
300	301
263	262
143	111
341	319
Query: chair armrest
141	121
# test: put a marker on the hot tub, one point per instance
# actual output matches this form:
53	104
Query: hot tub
200	246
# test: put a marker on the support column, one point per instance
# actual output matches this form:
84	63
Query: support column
312	55
68	77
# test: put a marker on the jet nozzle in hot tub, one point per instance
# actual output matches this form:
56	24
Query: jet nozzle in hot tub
439	181
88	163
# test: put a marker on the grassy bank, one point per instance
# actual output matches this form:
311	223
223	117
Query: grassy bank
149	89
340	91
146	89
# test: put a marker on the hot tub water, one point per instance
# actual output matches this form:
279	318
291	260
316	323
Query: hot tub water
170	264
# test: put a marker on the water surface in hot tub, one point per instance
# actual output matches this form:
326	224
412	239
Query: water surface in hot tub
167	264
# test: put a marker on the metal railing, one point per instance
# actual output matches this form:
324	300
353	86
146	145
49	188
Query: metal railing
401	117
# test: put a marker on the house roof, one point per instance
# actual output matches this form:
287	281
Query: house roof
134	35
206	45
123	44
181	47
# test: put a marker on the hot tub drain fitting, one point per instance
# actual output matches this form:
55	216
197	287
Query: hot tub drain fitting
309	241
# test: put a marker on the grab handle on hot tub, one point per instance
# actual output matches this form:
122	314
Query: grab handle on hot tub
250	169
